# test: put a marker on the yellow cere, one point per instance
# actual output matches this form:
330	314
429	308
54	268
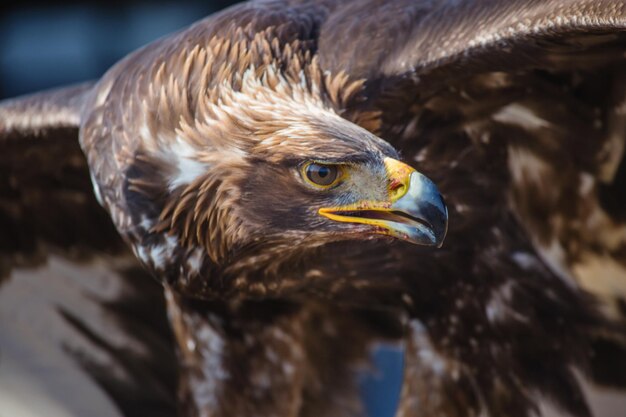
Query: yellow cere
399	175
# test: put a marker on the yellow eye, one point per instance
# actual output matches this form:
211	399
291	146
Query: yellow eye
322	175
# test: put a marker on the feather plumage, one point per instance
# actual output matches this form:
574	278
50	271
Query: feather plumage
514	109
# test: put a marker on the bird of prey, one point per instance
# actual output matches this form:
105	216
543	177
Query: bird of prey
280	169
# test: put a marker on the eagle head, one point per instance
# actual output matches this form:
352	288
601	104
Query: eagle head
339	182
257	170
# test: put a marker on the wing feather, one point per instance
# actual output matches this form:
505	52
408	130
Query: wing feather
413	38
515	109
82	326
543	77
47	199
42	112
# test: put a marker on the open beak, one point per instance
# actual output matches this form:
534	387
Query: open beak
415	211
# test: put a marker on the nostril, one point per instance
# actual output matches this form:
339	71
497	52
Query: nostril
394	184
396	190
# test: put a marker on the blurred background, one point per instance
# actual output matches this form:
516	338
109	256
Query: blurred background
48	44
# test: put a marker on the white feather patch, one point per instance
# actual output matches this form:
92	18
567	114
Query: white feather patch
518	115
188	169
525	166
426	352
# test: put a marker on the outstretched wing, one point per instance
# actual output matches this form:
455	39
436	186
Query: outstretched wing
47	197
516	110
82	326
413	39
545	80
41	114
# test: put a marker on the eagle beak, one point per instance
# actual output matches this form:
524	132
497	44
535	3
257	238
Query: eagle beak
415	211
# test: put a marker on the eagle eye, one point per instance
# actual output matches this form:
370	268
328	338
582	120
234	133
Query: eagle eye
321	175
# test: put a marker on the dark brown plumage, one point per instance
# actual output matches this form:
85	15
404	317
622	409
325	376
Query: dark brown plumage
198	144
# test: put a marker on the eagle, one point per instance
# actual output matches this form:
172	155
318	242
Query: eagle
234	217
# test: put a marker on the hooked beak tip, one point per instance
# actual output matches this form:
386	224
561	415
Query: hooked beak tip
424	202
